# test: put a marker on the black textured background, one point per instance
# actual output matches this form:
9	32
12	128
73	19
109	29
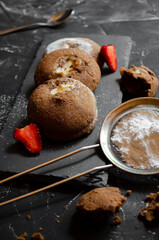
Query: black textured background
136	19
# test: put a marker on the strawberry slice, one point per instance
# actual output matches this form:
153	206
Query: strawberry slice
30	137
109	54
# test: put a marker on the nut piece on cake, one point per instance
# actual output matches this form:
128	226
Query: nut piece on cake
139	81
100	202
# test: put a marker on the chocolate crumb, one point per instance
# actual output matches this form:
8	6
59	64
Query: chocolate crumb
20	238
52	195
40	228
65	207
128	192
28	217
37	236
150	197
117	220
151	211
23	236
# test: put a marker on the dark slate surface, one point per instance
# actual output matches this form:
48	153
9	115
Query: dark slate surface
134	18
15	158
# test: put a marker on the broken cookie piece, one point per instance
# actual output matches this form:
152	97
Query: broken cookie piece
100	201
151	211
139	81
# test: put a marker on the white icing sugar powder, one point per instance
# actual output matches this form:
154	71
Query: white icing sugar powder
67	43
136	136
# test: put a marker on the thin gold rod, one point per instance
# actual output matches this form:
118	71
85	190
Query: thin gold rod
56	184
49	162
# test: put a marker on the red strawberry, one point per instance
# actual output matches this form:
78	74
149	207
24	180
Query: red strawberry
109	54
30	137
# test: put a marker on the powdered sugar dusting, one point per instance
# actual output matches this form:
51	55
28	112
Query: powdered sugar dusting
137	135
5	107
69	43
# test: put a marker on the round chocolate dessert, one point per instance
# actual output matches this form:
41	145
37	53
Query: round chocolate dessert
71	63
85	44
64	109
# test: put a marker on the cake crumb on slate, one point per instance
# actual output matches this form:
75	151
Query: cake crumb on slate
65	207
151	211
28	217
57	220
23	236
117	220
128	192
150	197
37	236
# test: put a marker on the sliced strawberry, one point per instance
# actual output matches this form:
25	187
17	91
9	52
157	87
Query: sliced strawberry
109	54
30	137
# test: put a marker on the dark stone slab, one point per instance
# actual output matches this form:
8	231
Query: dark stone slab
14	157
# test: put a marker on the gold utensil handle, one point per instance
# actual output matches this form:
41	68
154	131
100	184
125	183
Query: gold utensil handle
56	184
49	162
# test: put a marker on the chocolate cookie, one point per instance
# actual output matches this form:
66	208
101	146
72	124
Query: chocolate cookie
85	44
72	63
64	109
100	201
139	81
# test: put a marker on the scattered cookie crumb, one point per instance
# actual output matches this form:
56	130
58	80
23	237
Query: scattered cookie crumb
52	195
28	217
151	211
65	207
150	197
137	227
158	186
40	228
20	238
57	220
37	236
23	236
128	192
117	220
